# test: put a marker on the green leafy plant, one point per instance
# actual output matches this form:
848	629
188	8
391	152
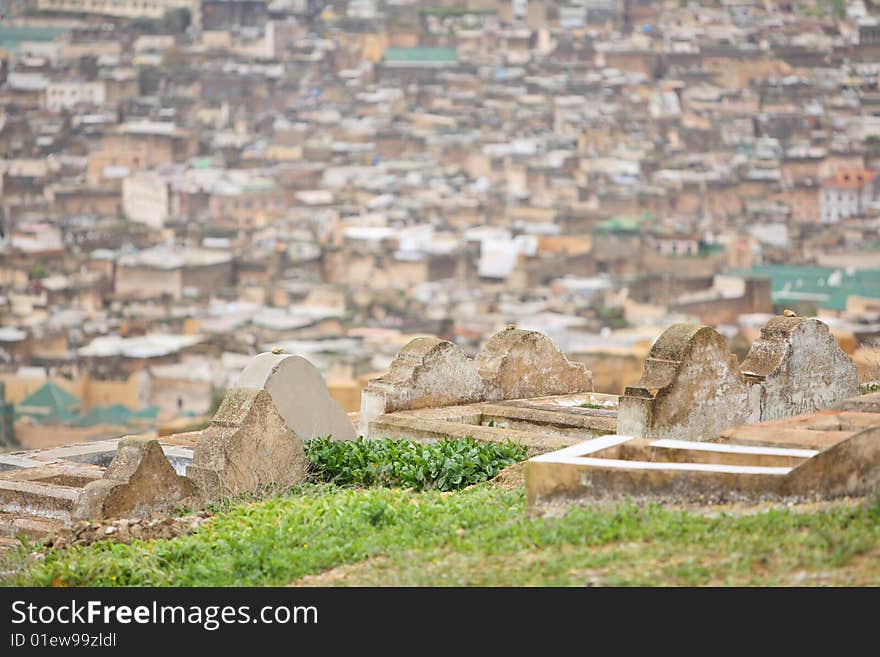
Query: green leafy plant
444	465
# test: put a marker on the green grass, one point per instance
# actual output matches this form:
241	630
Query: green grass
479	536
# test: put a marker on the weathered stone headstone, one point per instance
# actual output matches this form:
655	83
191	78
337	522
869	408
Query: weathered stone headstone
517	364
427	372
256	436
796	366
690	388
139	482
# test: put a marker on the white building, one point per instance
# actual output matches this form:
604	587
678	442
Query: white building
146	198
847	194
121	8
362	9
675	244
67	94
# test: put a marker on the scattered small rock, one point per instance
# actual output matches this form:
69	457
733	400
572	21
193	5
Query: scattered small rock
124	530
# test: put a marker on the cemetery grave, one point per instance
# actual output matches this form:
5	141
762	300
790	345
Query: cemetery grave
786	424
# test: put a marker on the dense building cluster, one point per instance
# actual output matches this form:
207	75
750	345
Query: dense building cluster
186	183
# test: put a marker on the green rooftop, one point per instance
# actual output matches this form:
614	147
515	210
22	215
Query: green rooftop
827	287
49	403
422	55
115	414
624	223
11	37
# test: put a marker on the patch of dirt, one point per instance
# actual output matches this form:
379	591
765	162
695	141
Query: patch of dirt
746	509
861	570
337	576
512	477
555	508
124	530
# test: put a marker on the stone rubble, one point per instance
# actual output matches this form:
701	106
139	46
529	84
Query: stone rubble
124	530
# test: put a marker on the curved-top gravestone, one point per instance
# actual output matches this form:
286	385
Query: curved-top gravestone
427	372
517	364
256	435
690	388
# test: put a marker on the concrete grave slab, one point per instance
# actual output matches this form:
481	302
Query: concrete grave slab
39	489
780	459
539	426
869	403
37	499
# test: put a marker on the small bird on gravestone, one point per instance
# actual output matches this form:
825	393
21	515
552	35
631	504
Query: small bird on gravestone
277	350
789	313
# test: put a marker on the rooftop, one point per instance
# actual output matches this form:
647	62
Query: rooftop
421	55
828	287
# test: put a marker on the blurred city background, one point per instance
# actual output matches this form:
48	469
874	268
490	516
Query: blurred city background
186	183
